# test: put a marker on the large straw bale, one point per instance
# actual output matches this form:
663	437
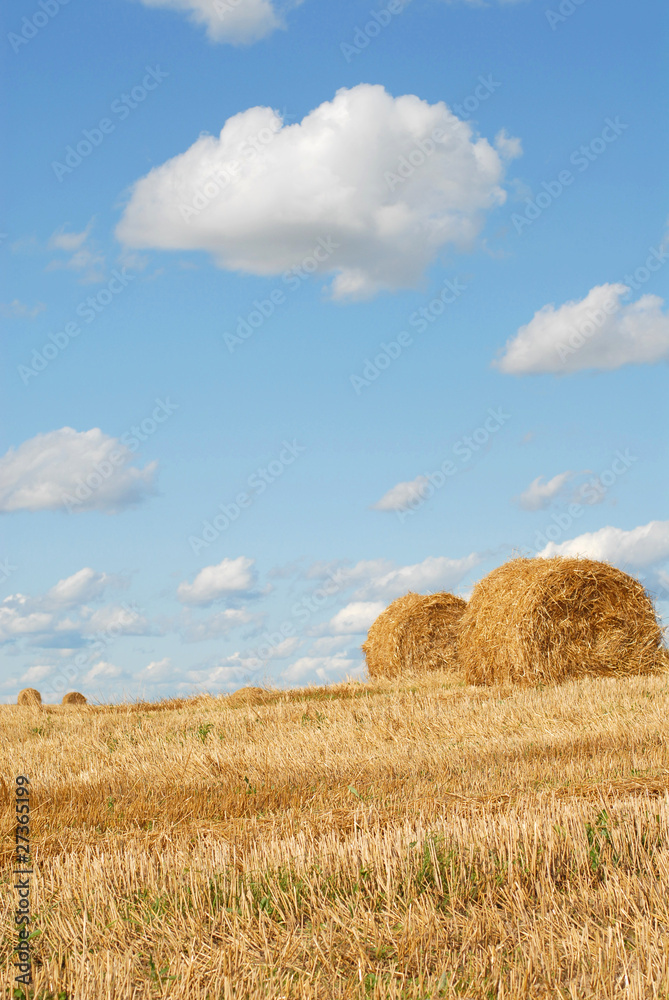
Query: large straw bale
29	696
543	620
416	633
74	698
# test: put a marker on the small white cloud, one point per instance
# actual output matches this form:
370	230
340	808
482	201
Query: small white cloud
539	495
158	671
326	669
598	332
355	618
434	573
82	587
84	258
102	671
72	471
509	147
15	623
19	310
329	644
403	495
37	673
237	22
117	620
217	625
231	576
638	548
349	187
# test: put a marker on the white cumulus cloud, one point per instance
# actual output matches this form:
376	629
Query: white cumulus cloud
72	470
326	669
82	587
598	332
638	548
360	185
433	573
238	22
355	618
539	495
403	495
229	577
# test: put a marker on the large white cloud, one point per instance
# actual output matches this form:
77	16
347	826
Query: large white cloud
539	495
597	332
72	471
231	576
362	173
238	22
638	548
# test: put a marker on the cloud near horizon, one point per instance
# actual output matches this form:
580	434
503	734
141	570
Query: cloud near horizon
638	548
340	188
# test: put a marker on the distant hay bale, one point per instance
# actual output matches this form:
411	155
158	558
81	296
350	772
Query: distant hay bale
29	696
248	696
543	620
416	633
74	698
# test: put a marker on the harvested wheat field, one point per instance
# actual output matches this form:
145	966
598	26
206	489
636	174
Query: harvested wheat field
392	839
543	620
415	634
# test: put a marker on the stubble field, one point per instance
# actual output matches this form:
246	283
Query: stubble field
402	839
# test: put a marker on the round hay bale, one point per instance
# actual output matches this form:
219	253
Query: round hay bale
543	620
74	698
29	696
416	633
247	696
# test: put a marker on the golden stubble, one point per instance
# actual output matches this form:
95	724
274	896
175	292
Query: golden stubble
406	838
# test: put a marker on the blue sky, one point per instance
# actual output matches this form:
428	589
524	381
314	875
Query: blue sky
308	305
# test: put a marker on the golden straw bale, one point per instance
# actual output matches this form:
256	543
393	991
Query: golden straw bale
543	620
74	698
247	696
29	696
416	632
